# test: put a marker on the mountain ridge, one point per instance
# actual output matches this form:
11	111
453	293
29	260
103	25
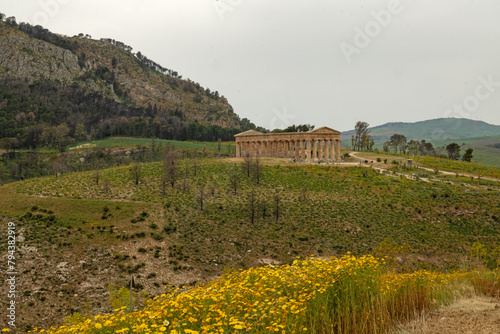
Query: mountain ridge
77	79
433	129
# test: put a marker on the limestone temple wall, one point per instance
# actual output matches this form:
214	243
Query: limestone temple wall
315	145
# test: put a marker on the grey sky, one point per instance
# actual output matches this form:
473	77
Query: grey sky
281	62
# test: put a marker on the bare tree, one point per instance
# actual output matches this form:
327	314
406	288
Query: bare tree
58	166
263	207
201	195
212	187
163	183
97	176
257	169
247	164
277	203
170	160
106	186
252	205
195	161
303	194
234	181
185	184
136	172
153	144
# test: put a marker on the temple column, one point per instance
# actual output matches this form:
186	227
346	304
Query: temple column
285	148
297	149
320	157
314	150
237	149
326	150
338	149
332	150
304	150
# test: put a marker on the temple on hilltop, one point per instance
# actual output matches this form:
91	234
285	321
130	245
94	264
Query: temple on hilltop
321	144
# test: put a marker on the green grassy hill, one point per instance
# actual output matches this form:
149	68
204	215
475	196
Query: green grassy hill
432	130
486	149
76	237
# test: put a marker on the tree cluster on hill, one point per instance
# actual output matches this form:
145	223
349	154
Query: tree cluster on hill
28	111
295	128
43	34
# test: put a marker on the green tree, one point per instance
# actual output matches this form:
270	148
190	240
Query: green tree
398	141
362	138
453	150
467	155
80	133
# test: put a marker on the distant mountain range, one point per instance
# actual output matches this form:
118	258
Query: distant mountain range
432	130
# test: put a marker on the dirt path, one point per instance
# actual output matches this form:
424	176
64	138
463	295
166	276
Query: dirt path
473	315
355	154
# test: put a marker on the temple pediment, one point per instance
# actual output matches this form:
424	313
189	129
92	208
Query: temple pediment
248	133
325	130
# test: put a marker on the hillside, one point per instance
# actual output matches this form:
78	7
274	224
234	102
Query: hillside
76	237
48	79
486	149
484	138
432	130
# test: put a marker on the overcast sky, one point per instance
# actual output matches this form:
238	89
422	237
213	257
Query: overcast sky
323	62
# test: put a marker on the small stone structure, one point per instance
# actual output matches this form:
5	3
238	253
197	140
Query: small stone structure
322	144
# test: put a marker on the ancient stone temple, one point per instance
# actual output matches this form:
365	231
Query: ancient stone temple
322	144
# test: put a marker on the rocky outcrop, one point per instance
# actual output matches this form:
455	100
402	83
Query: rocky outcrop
31	59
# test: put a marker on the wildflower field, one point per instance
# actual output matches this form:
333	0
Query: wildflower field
338	295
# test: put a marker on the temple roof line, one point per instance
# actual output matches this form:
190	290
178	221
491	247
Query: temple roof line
324	130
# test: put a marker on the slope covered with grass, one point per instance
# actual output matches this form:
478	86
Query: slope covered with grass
79	237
